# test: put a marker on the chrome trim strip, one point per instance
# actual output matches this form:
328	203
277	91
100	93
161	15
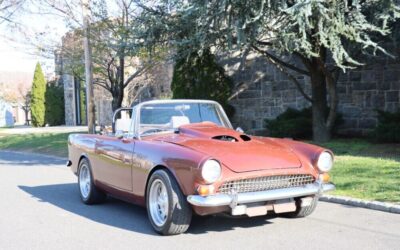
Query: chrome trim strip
270	195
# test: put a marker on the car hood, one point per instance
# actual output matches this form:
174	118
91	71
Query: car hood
237	151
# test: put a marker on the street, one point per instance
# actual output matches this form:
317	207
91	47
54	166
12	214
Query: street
40	209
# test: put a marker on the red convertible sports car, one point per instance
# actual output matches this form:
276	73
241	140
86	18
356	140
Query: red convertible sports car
179	157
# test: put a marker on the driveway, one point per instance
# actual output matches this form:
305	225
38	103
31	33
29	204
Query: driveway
40	209
33	130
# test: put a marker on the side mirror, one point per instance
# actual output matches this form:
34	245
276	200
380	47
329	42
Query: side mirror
240	130
114	120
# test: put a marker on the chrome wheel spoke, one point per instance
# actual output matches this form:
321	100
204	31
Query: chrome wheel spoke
158	202
84	181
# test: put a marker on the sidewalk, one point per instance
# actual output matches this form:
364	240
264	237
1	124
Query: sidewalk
32	130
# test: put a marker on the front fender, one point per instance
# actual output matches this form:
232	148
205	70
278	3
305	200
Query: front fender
183	163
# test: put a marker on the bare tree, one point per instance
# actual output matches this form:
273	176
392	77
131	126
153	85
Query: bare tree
120	54
25	97
8	8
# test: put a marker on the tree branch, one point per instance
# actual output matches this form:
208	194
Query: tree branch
277	60
102	84
109	71
290	76
136	74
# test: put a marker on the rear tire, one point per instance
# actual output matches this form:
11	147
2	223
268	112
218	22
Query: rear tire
168	211
89	193
302	212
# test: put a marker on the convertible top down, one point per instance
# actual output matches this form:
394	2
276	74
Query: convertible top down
178	157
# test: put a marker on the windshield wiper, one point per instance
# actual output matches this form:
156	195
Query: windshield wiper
154	130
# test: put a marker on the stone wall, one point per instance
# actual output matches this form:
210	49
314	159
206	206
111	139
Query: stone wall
267	93
67	81
103	108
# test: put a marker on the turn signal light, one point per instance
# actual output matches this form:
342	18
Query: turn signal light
324	177
205	190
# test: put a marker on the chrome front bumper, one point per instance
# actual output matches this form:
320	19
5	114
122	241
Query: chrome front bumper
233	199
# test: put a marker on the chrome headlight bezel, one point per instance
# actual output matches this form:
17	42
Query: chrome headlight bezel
325	162
211	171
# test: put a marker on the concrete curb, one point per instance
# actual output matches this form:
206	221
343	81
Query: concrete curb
36	154
374	205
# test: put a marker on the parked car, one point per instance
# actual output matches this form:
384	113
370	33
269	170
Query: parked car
179	157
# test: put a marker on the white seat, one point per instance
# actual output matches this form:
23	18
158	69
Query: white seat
123	125
177	121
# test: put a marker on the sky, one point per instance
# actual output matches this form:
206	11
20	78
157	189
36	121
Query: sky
17	51
16	59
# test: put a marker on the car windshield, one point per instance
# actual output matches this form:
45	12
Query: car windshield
161	117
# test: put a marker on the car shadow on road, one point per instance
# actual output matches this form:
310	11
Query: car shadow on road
126	216
222	223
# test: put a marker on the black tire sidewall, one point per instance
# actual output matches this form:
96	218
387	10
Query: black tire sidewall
179	213
87	163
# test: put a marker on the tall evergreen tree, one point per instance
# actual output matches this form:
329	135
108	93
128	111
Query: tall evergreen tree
54	104
38	98
200	77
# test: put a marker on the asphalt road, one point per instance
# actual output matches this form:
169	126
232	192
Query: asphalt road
40	209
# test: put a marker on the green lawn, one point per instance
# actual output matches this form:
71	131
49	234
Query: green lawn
365	170
50	144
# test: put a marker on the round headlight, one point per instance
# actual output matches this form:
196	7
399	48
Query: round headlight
211	171
325	162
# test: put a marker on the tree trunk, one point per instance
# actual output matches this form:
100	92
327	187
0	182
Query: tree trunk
321	132
26	111
117	100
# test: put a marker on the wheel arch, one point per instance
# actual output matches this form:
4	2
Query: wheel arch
168	170
83	156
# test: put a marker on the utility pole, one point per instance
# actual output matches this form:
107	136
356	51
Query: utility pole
88	69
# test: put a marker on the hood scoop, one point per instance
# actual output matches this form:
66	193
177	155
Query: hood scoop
230	138
209	130
225	138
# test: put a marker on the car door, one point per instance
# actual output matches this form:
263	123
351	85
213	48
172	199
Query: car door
114	165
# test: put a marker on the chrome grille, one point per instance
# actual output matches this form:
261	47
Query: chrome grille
265	183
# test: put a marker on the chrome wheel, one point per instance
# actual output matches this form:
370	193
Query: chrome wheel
84	181
158	202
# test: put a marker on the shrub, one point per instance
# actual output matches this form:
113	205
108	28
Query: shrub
55	114
201	77
388	128
38	108
293	123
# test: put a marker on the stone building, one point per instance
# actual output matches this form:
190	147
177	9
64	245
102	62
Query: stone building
6	114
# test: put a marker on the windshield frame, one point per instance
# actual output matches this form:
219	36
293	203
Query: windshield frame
137	108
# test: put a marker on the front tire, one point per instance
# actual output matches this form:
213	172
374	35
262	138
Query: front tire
88	191
304	211
168	211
